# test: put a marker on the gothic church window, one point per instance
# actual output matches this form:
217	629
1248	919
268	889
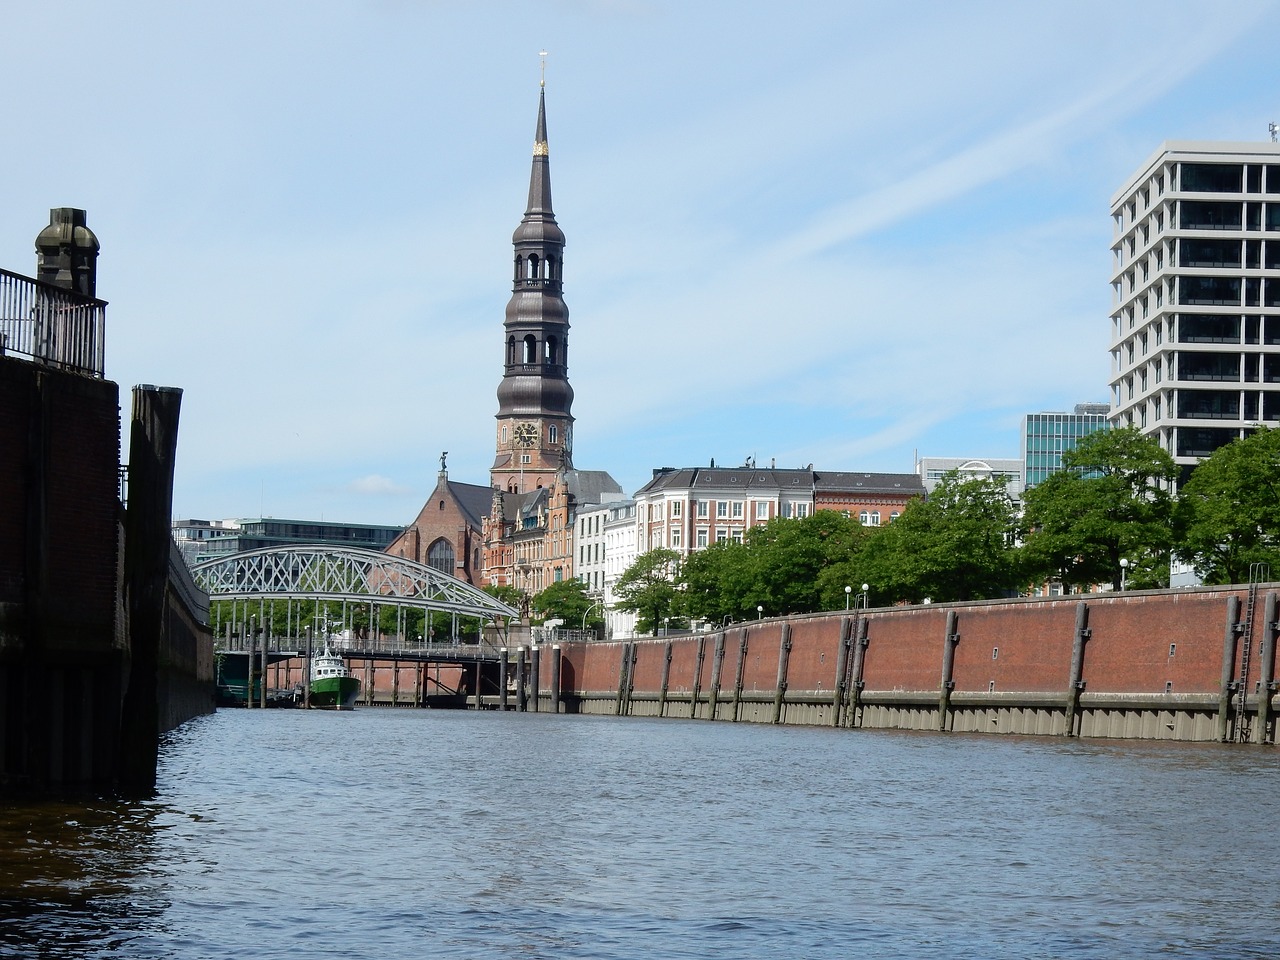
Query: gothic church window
440	556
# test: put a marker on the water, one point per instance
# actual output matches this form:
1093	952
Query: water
406	833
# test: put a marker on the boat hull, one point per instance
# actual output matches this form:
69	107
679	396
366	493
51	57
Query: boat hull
334	693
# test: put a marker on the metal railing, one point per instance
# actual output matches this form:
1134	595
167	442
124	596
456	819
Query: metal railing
387	646
52	325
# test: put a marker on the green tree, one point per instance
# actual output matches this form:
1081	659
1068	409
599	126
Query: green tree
785	566
648	588
1229	509
569	602
715	583
803	565
958	544
1111	502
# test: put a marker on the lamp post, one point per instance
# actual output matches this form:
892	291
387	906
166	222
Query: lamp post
666	626
847	591
1124	570
865	595
759	611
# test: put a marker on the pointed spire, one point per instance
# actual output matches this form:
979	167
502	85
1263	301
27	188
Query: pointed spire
540	175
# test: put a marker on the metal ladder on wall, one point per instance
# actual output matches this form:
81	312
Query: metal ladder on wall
1258	573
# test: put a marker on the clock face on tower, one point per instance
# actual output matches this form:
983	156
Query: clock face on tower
526	433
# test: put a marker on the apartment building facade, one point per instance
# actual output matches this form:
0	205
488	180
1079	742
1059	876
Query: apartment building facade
688	509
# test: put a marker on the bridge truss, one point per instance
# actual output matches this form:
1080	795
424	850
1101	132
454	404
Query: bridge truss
344	579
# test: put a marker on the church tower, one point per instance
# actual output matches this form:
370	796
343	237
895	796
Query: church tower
535	426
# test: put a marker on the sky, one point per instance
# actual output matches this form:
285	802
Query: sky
842	233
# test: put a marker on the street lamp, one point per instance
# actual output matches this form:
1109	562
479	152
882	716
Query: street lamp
759	611
865	595
588	613
1124	569
666	626
847	591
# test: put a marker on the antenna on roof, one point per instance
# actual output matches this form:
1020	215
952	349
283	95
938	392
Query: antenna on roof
1273	130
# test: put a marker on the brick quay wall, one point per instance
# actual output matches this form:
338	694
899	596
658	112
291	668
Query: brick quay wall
1164	665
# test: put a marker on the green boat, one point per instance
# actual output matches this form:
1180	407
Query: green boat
332	685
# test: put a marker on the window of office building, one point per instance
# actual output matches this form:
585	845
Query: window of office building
1212	177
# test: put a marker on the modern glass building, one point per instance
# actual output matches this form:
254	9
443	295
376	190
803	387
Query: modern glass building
1195	322
1046	436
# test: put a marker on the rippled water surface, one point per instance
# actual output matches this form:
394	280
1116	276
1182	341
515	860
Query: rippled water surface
410	833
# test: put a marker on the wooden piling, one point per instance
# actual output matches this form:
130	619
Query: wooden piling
555	678
1223	720
306	673
522	693
504	666
666	679
948	667
1075	682
840	689
717	661
535	676
784	658
1265	685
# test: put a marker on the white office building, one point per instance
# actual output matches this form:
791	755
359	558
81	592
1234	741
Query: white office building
620	552
1195	321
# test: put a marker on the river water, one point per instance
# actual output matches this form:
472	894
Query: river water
402	833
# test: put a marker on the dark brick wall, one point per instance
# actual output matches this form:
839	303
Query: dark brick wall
1023	648
59	461
1008	647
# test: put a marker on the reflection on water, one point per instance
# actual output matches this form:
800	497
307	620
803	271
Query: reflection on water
78	878
409	833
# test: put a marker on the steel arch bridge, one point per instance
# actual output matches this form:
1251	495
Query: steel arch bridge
349	575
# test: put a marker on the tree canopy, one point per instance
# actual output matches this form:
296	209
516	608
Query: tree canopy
648	588
785	566
1111	502
959	544
569	602
1229	510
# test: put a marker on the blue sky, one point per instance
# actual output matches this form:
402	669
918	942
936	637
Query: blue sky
839	233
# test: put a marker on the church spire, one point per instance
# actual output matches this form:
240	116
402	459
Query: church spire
538	214
535	424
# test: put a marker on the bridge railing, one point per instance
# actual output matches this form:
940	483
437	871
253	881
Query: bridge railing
370	646
52	325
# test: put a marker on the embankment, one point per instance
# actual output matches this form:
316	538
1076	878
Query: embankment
1195	665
